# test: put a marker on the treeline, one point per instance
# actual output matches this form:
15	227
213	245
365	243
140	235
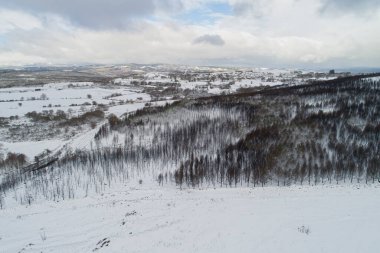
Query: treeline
265	157
311	145
64	118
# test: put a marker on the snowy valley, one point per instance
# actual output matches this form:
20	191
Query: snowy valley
164	158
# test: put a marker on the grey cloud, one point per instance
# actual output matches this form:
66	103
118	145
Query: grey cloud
357	6
257	9
247	8
214	40
97	14
242	8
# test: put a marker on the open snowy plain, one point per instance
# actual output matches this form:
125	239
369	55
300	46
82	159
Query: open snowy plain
164	219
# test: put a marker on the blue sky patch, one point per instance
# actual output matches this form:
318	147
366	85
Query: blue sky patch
2	39
207	14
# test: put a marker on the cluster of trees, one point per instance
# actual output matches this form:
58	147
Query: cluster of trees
63	118
87	117
47	115
13	161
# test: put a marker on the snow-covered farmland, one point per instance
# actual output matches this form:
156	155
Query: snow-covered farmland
159	219
19	101
74	98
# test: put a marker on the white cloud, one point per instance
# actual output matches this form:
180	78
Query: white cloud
10	20
19	59
276	32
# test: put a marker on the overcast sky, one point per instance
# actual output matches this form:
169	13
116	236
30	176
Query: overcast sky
268	33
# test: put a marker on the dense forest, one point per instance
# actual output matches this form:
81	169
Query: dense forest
321	133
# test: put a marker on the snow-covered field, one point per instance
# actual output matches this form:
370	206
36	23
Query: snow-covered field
30	148
21	100
163	219
63	96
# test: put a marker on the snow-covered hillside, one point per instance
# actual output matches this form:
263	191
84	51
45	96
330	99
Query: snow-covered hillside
158	162
159	219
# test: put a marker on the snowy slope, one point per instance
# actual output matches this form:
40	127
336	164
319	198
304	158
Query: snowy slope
30	148
159	219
